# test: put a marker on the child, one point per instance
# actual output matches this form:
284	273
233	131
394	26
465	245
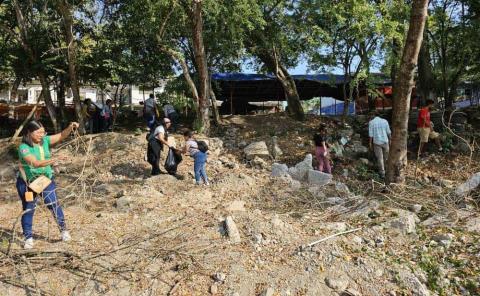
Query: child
321	152
199	165
197	150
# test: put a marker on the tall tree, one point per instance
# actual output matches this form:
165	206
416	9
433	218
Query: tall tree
66	9
278	40
397	160
31	25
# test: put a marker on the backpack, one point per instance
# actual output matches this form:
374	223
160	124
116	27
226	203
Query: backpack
202	146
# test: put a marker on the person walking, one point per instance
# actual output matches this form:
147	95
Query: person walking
36	162
156	139
379	133
425	128
150	112
321	151
170	113
200	164
107	115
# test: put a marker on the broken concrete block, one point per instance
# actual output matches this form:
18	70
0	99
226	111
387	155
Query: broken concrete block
318	178
232	230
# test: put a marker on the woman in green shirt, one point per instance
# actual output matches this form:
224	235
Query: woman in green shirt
35	161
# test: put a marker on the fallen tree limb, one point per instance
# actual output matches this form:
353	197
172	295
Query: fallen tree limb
331	236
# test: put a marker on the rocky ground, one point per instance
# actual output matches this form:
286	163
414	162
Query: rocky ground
256	229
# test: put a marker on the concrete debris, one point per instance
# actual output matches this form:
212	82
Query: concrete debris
338	284
473	225
317	178
123	203
413	284
300	170
232	230
257	149
405	222
471	184
276	151
279	170
259	163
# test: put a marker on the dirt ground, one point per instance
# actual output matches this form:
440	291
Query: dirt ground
140	235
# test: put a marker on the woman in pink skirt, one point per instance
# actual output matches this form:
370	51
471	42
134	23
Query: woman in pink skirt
321	152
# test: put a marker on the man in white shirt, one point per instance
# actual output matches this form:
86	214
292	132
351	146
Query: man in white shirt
379	134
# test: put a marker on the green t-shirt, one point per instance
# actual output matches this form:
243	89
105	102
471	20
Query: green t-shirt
41	152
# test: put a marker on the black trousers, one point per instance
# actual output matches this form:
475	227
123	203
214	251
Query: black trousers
153	155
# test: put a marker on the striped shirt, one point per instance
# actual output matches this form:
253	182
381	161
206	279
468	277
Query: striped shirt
379	130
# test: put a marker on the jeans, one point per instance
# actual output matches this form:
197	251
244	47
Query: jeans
381	153
199	167
150	119
49	198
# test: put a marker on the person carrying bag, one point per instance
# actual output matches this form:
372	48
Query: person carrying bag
36	178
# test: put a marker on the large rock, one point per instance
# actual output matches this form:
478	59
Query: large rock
405	222
123	203
232	230
467	187
279	170
338	284
473	225
257	149
337	149
300	170
317	178
356	148
413	284
276	151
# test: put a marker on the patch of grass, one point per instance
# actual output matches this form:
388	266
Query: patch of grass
430	265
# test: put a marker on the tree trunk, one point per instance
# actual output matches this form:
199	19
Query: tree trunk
397	161
66	11
295	108
202	120
48	100
14	89
61	99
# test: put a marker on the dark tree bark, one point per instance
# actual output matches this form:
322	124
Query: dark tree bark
202	120
48	100
61	98
66	11
397	161
295	108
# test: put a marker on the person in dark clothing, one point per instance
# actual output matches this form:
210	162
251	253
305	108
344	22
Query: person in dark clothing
150	112
156	139
170	113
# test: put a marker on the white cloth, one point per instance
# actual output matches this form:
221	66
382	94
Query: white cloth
192	147
159	130
379	130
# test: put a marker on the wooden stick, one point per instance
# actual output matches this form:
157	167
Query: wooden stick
27	119
332	236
